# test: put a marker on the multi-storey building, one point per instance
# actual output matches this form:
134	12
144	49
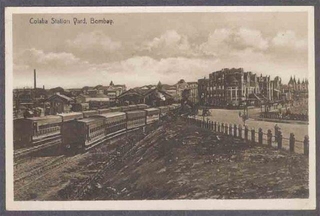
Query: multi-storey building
193	86
234	87
277	89
203	91
266	87
297	86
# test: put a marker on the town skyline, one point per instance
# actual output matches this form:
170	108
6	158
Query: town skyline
167	49
106	83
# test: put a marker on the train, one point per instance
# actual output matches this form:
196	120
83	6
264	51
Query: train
78	130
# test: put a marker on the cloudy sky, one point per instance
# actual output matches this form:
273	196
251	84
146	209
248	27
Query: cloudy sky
141	49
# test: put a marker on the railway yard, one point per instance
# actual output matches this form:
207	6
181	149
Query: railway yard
172	161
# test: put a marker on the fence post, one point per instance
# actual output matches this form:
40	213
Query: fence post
276	132
212	125
222	127
219	127
260	136
279	138
246	130
226	129
292	141
230	129
269	138
207	125
306	145
215	126
240	131
253	135
235	130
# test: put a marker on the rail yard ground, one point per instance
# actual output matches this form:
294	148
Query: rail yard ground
174	161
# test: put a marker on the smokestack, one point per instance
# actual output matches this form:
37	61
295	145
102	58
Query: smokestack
43	87
35	78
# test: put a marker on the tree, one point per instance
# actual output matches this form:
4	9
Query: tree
159	86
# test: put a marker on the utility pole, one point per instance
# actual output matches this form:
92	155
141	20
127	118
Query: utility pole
34	86
35	79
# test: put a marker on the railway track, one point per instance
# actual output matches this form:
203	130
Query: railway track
32	176
39	145
82	190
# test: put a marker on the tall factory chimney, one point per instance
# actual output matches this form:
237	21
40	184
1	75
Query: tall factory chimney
35	79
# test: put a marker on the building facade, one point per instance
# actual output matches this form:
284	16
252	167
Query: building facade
235	87
194	95
60	104
203	91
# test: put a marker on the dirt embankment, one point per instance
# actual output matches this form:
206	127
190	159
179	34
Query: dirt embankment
175	161
185	162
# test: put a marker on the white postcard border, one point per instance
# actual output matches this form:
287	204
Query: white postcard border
257	204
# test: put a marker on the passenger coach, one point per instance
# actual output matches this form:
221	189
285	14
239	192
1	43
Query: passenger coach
114	123
89	113
136	119
163	110
30	131
79	134
152	115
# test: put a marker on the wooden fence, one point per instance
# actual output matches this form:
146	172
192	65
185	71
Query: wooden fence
292	116
255	136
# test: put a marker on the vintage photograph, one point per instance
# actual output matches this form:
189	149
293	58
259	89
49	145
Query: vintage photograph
186	104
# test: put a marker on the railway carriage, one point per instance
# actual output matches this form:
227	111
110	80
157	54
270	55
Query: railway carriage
129	108
136	118
163	111
152	115
133	107
103	111
115	109
124	108
81	133
89	113
114	123
152	119
172	107
31	131
70	116
142	106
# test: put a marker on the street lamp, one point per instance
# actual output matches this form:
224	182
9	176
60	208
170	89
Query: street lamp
245	114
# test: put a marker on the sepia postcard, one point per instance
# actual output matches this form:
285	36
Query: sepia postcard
160	108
